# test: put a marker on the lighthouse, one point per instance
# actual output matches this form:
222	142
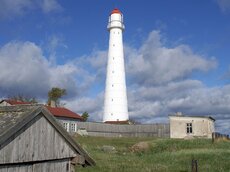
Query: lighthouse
115	103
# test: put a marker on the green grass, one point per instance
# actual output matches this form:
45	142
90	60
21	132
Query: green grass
164	155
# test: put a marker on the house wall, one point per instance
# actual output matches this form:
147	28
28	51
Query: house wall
69	124
201	127
37	141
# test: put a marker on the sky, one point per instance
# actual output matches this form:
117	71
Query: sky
176	55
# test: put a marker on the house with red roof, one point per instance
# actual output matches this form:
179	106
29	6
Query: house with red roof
66	117
8	102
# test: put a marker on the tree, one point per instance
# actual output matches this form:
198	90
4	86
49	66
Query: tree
85	116
55	94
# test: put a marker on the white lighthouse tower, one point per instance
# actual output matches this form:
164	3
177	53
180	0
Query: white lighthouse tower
115	105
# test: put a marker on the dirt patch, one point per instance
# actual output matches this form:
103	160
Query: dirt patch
140	147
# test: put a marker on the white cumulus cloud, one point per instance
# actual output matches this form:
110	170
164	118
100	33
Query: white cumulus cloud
26	71
94	106
153	63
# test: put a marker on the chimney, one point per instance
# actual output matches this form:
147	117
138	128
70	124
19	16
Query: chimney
53	103
179	114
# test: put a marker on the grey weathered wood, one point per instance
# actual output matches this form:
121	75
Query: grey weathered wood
113	130
39	141
50	166
35	142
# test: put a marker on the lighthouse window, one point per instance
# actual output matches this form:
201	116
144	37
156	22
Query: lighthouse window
112	85
113	58
114	45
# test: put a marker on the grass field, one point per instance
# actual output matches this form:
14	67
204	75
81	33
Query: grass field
163	155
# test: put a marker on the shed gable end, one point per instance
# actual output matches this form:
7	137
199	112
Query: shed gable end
37	141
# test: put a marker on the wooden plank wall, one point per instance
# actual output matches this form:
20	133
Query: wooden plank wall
38	141
113	130
52	166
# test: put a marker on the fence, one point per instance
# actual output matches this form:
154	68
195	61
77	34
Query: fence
219	136
115	130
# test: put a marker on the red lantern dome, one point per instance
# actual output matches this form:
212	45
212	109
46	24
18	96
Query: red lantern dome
116	11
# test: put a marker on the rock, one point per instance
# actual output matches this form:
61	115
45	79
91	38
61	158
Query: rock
109	149
140	147
82	132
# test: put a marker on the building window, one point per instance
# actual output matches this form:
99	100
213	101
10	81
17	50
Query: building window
73	127
66	126
189	128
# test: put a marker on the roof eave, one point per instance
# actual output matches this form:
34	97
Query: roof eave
208	117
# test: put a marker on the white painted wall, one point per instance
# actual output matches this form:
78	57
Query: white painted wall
115	104
4	103
201	126
69	125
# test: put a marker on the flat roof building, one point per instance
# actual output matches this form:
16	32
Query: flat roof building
183	126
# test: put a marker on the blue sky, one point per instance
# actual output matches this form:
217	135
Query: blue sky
176	53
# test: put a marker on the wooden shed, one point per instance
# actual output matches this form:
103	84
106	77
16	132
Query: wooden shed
31	140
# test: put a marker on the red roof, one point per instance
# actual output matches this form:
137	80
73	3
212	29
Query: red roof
16	102
63	112
117	11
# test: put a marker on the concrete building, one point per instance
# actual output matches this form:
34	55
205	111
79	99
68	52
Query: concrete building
182	126
31	140
115	104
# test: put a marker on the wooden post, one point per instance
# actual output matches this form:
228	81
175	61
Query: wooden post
194	165
213	137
